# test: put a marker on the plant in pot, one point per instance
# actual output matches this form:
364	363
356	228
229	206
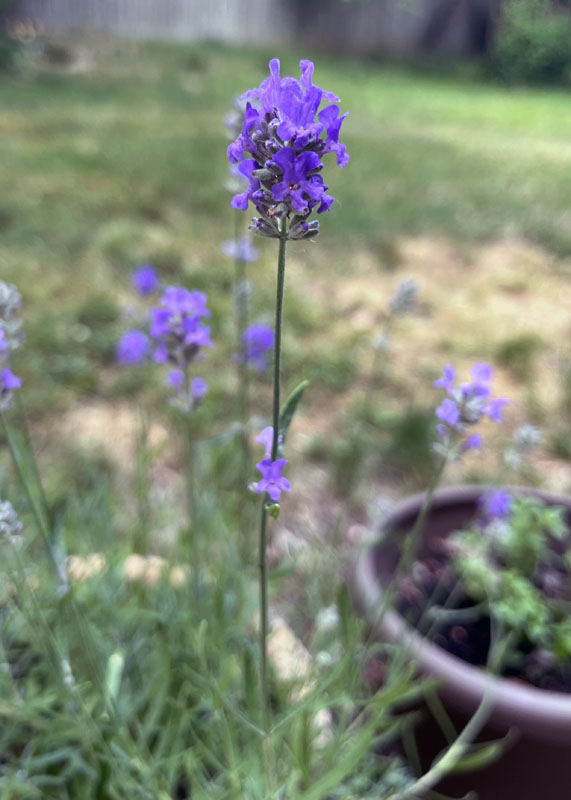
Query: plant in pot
476	584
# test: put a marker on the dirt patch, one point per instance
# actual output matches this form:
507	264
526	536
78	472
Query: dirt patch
114	429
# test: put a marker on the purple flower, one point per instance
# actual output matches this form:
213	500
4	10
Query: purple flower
481	373
447	379
177	327
3	342
266	437
252	186
283	138
177	306
198	388
132	347
300	185
466	405
494	408
176	379
496	504
272	481
179	334
145	280
448	412
190	392
472	442
332	122
258	343
10	381
240	249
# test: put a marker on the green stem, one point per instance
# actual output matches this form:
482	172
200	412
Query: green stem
409	552
142	486
242	315
38	516
413	537
263	616
458	748
278	342
241	325
33	460
274	453
193	516
370	385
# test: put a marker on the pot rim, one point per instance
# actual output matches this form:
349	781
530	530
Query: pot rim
542	713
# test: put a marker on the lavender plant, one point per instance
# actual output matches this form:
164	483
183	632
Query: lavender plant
464	407
177	335
279	150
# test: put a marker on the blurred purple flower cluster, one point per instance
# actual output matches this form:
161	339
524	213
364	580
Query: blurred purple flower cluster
466	405
240	249
258	343
496	504
177	334
279	150
145	280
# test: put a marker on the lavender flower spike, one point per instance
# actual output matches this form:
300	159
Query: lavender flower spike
180	334
177	327
464	407
285	133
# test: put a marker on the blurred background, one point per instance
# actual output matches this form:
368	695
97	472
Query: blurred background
113	154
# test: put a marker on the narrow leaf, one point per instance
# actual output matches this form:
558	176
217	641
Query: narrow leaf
289	408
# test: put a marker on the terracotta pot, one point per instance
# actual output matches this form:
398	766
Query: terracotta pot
538	766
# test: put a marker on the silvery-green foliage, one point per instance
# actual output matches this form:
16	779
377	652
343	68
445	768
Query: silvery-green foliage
10	323
507	565
10	525
526	438
405	298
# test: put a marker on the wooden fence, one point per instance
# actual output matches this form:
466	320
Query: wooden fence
364	27
235	21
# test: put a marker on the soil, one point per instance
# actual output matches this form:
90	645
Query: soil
432	582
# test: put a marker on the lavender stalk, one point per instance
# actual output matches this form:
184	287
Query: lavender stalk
278	152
